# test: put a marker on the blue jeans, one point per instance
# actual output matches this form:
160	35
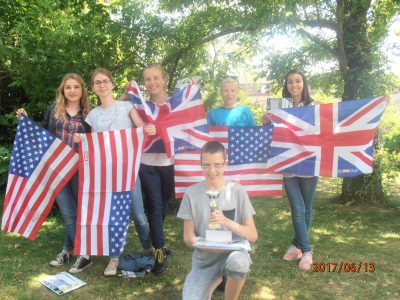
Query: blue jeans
300	191
139	217
158	186
67	201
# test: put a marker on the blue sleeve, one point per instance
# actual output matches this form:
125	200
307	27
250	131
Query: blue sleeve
252	122
210	121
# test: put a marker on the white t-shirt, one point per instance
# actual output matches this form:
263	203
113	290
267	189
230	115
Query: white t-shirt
114	117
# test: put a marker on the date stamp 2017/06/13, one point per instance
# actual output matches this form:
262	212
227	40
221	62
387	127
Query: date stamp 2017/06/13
346	267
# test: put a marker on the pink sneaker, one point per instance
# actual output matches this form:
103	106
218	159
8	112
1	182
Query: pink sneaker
292	253
306	261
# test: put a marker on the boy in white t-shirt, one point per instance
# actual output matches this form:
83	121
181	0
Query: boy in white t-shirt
234	212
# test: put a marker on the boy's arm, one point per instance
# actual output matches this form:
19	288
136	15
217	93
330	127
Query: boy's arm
189	237
246	230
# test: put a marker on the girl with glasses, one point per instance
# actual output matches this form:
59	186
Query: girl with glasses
111	114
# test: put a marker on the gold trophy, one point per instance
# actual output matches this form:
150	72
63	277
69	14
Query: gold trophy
213	196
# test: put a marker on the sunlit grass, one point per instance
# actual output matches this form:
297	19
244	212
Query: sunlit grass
339	234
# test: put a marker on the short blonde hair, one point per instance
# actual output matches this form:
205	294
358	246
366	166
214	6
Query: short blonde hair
229	79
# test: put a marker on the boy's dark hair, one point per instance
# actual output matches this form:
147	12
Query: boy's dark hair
213	147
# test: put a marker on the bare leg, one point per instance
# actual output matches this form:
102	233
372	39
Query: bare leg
216	283
233	288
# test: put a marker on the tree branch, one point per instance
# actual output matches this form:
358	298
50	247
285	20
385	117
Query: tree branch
181	52
318	41
321	24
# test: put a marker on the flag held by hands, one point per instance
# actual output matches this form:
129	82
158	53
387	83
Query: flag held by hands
333	140
181	122
248	151
40	166
108	165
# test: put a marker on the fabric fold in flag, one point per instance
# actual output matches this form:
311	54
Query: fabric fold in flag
333	140
108	165
40	166
181	123
248	151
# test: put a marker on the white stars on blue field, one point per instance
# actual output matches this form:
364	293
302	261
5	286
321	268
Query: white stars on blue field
249	144
119	221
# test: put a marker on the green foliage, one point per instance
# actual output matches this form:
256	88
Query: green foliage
5	154
388	153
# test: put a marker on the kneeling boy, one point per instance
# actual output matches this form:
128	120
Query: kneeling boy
234	212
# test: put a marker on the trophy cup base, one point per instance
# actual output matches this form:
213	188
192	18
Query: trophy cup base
222	236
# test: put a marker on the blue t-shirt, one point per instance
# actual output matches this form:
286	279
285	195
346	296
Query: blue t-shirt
236	116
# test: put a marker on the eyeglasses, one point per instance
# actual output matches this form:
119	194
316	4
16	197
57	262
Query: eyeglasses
209	166
99	82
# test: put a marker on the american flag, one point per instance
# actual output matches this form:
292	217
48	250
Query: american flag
40	166
248	150
333	140
181	123
108	166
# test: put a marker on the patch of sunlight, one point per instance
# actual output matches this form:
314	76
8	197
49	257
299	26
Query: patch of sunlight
284	215
340	239
389	235
322	231
264	293
12	234
275	249
375	241
177	281
155	288
51	223
340	226
34	281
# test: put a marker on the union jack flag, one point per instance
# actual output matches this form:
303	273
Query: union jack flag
40	166
333	140
181	122
108	166
248	150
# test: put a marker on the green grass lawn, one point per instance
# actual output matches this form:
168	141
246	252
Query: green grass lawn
339	234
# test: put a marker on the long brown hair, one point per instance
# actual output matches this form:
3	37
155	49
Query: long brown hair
305	94
61	100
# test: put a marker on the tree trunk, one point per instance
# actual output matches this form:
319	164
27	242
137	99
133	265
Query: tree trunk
354	62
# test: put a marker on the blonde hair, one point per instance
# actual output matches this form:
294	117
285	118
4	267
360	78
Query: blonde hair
103	72
61	100
229	79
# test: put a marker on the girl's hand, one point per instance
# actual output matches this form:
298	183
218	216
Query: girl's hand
150	129
266	119
77	138
20	112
